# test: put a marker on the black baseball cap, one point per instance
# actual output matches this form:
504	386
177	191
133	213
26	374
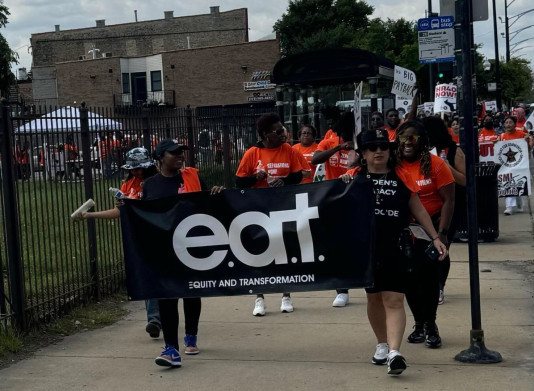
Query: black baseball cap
169	145
378	136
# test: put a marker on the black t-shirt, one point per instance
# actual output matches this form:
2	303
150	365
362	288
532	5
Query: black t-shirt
392	214
159	186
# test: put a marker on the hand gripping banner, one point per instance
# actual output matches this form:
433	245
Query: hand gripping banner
308	237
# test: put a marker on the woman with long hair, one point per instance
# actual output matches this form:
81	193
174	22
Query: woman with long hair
437	185
394	191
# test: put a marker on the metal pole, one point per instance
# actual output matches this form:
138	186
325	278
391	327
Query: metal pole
293	111
497	59
430	67
88	187
507	29
477	351
228	177
12	221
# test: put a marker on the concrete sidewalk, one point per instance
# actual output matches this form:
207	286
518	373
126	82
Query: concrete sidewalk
317	347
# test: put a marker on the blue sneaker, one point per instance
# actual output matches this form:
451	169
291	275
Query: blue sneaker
190	343
169	358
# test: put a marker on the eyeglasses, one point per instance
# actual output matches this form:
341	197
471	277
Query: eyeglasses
412	138
374	147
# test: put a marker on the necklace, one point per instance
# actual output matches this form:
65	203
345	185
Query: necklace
378	191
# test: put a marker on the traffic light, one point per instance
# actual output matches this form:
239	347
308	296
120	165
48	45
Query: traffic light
444	72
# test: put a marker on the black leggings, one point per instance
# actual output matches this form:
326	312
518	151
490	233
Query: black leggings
422	291
168	312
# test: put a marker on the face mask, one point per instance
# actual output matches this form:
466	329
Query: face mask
488	125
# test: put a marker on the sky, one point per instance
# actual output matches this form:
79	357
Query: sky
37	16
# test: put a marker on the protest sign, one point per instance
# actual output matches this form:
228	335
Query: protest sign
445	98
404	83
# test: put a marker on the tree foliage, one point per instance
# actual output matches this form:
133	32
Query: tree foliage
7	56
314	24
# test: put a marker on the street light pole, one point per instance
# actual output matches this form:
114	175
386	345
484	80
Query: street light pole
497	60
506	28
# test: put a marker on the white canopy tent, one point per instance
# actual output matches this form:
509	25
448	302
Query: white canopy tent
67	119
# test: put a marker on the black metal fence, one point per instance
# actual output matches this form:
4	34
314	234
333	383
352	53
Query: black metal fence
52	164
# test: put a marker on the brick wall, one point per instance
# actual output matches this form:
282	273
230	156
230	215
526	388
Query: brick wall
142	38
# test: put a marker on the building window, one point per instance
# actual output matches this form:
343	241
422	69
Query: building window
155	80
125	83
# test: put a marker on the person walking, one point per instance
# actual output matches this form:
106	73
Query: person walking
436	182
306	147
394	190
173	179
270	163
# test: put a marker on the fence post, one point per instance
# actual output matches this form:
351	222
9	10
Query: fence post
88	186
12	221
228	183
145	124
190	136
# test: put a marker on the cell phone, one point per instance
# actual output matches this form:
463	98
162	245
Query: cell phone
432	252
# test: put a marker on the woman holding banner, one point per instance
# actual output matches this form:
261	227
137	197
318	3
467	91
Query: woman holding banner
270	163
512	132
396	200
173	179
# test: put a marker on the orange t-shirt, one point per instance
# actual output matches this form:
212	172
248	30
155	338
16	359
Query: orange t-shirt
401	172
307	152
392	133
440	176
520	125
517	134
277	162
455	137
337	164
486	135
132	188
329	134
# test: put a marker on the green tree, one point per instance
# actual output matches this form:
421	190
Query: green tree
317	24
7	56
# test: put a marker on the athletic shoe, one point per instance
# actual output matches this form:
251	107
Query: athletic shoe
259	307
341	300
441	298
418	334
78	213
432	338
381	354
190	343
508	211
519	209
396	365
287	304
169	358
153	329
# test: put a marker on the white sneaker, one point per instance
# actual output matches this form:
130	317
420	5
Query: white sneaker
508	211
287	304
381	354
259	307
341	300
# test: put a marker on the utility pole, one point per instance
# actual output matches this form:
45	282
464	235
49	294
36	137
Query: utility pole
497	60
506	28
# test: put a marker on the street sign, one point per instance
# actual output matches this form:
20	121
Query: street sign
436	39
480	9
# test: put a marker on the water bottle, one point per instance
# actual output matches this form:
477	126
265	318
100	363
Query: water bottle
117	193
443	155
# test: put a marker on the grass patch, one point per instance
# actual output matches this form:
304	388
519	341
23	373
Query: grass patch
10	342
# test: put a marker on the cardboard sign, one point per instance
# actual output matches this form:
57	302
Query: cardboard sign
404	83
445	98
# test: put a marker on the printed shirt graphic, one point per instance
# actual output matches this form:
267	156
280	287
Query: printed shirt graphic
278	162
486	135
517	134
132	188
338	162
440	176
307	152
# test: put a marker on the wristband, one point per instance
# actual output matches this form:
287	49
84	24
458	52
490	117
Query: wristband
437	237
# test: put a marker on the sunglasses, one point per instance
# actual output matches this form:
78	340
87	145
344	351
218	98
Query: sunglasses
412	138
279	132
375	147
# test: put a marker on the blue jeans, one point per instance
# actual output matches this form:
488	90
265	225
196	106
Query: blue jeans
152	311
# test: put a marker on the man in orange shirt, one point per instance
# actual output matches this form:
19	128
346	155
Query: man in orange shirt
392	123
488	134
307	146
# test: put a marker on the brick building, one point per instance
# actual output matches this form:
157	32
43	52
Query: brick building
217	75
146	39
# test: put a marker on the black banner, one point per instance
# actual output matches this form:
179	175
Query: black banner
308	237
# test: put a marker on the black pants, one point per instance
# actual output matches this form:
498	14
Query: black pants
168	313
422	291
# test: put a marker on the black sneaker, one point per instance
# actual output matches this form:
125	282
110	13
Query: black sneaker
153	329
432	338
396	365
418	334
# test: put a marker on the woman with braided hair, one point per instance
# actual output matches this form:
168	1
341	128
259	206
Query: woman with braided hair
436	183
